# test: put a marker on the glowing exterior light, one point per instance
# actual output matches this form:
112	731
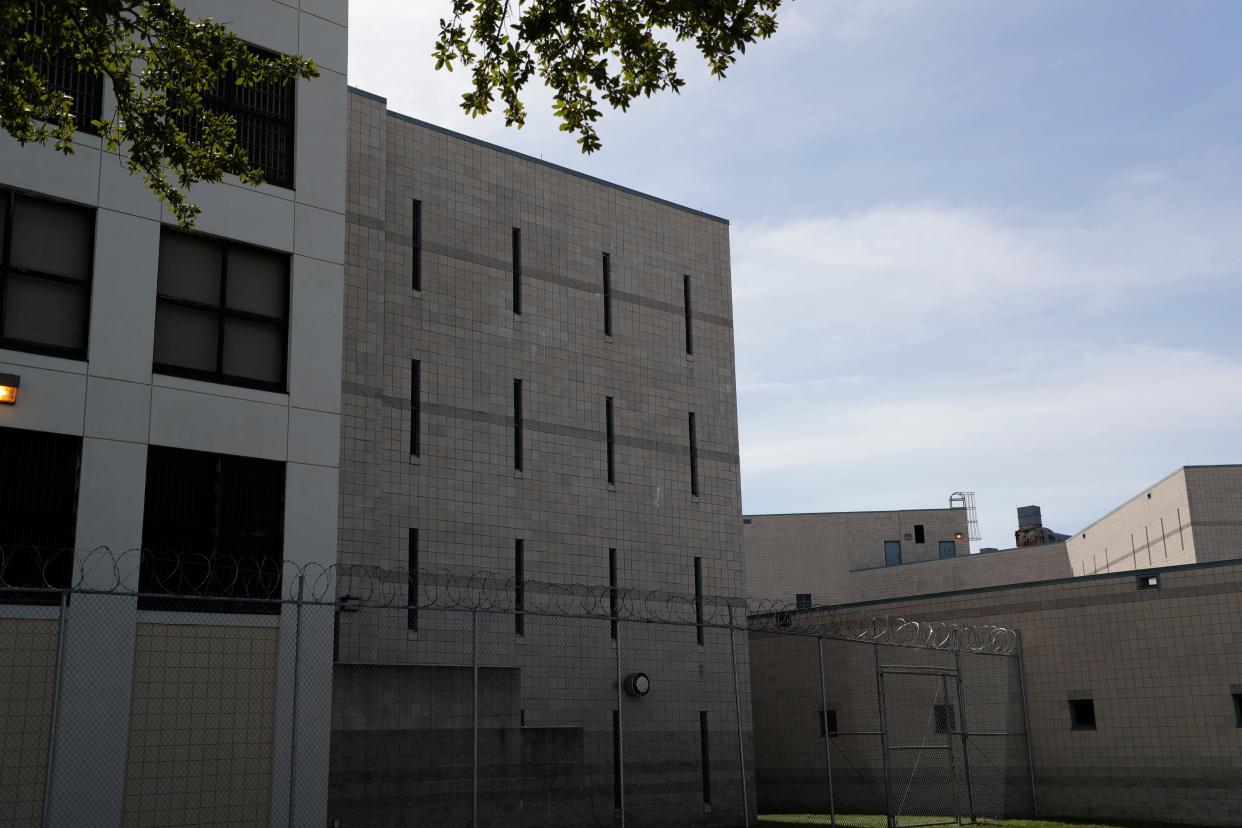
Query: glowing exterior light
9	383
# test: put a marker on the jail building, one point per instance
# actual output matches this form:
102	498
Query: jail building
539	383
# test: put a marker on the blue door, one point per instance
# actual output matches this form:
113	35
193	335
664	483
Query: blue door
892	553
948	549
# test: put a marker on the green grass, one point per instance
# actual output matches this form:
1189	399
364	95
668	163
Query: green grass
874	821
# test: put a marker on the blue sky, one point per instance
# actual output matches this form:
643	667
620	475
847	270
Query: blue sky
976	245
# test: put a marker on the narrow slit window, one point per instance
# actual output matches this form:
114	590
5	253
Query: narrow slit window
705	755
416	412
517	424
416	247
612	443
517	271
827	724
1237	707
616	758
698	599
694	458
519	586
607	295
689	316
613	601
411	610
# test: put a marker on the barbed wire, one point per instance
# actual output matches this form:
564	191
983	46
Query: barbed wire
35	571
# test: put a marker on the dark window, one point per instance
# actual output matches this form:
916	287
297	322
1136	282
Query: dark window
519	586
694	458
46	253
892	553
38	509
828	724
264	116
613	603
416	406
416	246
802	600
919	535
517	424
948	549
213	527
411	596
607	295
222	311
689	317
698	599
705	757
1149	580
62	74
1082	714
1237	707
517	270
945	718
611	436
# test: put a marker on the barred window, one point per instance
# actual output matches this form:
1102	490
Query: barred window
61	73
213	527
222	311
46	253
264	115
38	510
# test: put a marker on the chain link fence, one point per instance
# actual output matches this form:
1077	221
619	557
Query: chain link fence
200	692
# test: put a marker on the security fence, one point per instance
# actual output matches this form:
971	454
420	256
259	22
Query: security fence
923	723
197	691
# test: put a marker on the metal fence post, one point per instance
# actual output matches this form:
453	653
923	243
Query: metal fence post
297	669
737	708
620	730
1026	725
823	701
62	626
964	722
474	705
879	694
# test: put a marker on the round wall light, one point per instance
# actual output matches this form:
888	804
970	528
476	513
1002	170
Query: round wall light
637	685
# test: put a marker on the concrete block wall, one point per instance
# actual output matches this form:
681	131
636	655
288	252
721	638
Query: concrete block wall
1161	666
1151	529
1215	494
819	553
461	491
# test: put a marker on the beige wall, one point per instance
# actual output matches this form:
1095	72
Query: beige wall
1215	494
1151	529
1032	563
815	553
1161	666
27	664
201	725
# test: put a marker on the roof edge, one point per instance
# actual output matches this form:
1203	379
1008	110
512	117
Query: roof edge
523	156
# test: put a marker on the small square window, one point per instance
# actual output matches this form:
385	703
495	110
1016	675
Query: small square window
945	718
803	600
827	724
1237	707
1082	714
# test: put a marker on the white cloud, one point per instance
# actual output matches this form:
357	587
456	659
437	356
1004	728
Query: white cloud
891	356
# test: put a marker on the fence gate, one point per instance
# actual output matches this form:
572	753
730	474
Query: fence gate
922	724
926	762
